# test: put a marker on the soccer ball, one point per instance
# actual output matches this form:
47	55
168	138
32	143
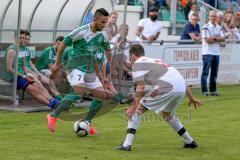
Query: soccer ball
81	128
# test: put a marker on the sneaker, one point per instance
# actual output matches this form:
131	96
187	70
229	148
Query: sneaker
205	94
214	94
92	130
122	148
51	123
190	145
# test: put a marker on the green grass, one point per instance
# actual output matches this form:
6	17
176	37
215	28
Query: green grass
215	127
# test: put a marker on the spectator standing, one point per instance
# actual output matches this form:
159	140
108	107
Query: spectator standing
237	20
229	26
192	30
219	18
149	28
194	10
121	59
111	26
212	35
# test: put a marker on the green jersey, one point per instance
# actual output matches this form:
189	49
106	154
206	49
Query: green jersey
100	57
23	52
48	56
28	59
86	46
65	55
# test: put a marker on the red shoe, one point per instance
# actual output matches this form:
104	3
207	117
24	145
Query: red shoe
52	123
92	130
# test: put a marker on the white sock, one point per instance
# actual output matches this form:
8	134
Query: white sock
187	138
178	127
131	129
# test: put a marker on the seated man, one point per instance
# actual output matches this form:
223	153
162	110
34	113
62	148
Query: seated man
25	80
191	31
48	58
40	76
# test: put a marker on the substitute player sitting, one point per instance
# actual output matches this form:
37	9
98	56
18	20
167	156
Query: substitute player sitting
166	89
25	81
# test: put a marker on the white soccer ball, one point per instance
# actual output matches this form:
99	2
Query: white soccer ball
81	128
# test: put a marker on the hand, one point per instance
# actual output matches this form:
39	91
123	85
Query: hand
195	102
54	70
29	77
150	39
197	39
130	111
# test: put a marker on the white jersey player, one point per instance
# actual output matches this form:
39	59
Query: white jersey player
160	88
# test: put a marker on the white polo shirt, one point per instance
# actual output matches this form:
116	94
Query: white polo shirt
210	30
116	40
150	28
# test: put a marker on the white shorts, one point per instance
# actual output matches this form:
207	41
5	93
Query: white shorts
167	102
90	80
46	72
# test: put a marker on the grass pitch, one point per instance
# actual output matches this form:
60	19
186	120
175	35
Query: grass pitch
215	126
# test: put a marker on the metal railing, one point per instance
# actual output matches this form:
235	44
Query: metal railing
54	30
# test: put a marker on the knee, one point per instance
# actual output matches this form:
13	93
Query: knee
167	116
32	89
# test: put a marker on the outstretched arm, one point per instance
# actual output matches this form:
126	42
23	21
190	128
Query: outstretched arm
192	99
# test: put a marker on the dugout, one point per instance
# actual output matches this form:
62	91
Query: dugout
45	20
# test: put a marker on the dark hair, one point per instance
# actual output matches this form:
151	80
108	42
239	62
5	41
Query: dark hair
137	50
100	12
27	33
21	32
59	38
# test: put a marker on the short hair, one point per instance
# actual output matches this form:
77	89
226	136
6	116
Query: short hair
100	12
59	38
212	11
113	12
28	33
123	26
137	50
22	31
195	15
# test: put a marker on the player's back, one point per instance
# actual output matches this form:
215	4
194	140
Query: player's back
156	72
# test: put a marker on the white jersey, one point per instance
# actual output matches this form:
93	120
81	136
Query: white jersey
210	30
156	72
164	80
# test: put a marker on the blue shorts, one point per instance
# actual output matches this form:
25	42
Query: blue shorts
108	69
22	83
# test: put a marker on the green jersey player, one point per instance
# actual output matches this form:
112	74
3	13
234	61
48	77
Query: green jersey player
87	42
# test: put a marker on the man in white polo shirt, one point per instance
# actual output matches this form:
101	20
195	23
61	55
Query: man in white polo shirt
212	36
149	28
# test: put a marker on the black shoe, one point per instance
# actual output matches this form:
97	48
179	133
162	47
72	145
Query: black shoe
122	148
214	94
190	145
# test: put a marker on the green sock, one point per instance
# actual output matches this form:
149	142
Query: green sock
65	103
118	97
94	107
59	97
